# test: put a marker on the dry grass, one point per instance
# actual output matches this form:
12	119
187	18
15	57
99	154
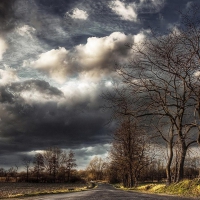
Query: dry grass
187	188
9	190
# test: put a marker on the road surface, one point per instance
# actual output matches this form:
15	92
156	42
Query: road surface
104	192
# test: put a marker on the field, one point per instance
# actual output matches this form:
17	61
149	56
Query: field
8	190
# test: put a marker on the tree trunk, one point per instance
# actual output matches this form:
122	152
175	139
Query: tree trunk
168	166
131	176
38	173
180	174
68	175
125	182
27	174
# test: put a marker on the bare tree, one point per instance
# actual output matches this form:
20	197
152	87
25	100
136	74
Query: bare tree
96	168
38	162
11	173
53	160
27	163
129	151
190	37
160	76
165	130
70	163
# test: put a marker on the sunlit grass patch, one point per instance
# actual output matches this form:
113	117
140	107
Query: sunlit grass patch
157	188
190	188
151	187
143	187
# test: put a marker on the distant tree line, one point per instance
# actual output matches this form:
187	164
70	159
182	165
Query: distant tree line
52	165
55	163
127	169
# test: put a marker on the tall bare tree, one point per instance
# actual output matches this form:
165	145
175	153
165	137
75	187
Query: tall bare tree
69	163
53	160
26	163
129	151
38	162
96	168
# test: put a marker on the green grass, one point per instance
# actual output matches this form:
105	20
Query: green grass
187	188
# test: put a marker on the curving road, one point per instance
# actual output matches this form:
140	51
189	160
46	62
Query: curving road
104	192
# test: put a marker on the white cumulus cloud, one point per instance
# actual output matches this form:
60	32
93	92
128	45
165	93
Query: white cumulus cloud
78	14
78	91
89	62
98	56
54	63
129	11
8	75
126	11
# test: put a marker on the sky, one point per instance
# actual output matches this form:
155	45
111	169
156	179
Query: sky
57	58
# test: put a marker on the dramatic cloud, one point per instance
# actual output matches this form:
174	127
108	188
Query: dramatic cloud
78	14
38	92
99	55
130	11
93	60
27	92
127	12
78	92
55	63
41	121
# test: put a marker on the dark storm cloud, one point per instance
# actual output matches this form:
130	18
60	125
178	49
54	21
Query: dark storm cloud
168	16
27	126
7	15
38	85
57	7
10	93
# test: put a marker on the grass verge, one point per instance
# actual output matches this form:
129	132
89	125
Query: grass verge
186	188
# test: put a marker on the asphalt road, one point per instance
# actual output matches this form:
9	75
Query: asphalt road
104	192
